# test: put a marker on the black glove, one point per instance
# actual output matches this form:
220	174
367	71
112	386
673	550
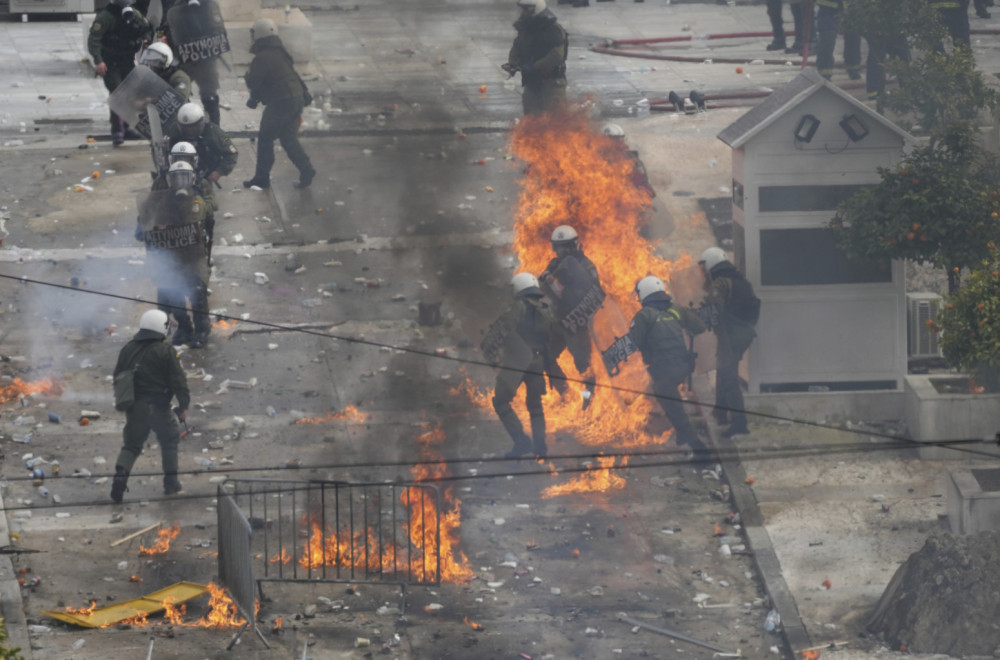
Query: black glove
252	103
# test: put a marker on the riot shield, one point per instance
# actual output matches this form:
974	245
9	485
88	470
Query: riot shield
503	346
142	87
172	231
197	32
576	295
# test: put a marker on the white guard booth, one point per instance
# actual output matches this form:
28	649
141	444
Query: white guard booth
832	332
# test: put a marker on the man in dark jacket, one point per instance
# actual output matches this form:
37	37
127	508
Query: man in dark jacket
117	33
158	379
733	308
657	330
539	53
272	80
522	341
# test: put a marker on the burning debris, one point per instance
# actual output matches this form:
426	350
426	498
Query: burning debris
348	414
18	389
163	538
595	480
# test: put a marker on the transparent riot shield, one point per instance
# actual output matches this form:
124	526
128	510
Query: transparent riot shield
172	231
143	87
575	294
197	32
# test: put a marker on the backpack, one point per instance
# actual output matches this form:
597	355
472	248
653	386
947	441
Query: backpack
744	305
124	385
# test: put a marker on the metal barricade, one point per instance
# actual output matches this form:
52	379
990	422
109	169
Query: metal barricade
235	571
331	531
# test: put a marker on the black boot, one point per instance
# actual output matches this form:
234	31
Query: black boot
260	182
736	429
522	447
211	104
305	178
185	331
119	485
538	437
776	45
171	485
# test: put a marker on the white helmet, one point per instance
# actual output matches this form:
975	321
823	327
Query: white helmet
154	320
649	285
613	130
262	27
157	56
564	234
181	176
184	151
538	6
523	283
712	257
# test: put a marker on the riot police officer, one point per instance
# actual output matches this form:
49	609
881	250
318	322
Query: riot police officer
539	53
171	224
117	33
576	291
522	341
160	59
733	309
217	155
657	330
272	80
158	378
185	151
186	25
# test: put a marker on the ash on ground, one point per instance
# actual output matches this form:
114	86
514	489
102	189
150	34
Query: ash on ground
944	598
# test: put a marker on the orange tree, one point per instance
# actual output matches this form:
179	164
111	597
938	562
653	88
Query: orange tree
939	205
970	321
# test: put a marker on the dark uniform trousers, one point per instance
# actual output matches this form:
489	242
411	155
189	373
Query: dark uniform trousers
580	348
827	25
503	394
118	69
173	300
728	393
205	74
954	15
280	121
667	378
142	418
777	25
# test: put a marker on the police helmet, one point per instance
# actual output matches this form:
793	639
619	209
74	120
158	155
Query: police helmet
648	286
155	321
181	176
157	56
711	258
565	237
184	151
191	118
613	130
263	27
534	6
525	284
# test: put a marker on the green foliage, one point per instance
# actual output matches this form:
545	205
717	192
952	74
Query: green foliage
896	20
6	652
970	321
938	205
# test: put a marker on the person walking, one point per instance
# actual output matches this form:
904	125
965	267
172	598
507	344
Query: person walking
734	310
158	379
273	81
522	341
539	53
116	35
657	331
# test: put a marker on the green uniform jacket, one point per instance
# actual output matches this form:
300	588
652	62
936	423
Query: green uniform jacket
658	332
734	335
203	187
539	49
159	377
216	151
533	342
113	38
180	81
271	76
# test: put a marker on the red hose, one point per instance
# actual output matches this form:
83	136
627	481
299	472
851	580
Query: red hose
682	58
687	37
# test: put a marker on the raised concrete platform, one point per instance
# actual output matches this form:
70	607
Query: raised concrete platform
973	500
829	407
934	416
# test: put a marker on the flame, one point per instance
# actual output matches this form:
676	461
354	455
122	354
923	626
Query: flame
222	610
222	613
174	615
277	624
223	324
85	611
810	655
18	388
164	536
600	479
363	550
280	558
350	414
472	624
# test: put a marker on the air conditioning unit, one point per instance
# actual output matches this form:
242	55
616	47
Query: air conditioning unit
922	341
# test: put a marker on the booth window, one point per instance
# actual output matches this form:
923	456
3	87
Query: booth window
781	199
802	257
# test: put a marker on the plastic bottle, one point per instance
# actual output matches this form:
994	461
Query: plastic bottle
23	438
271	412
772	621
204	462
43	491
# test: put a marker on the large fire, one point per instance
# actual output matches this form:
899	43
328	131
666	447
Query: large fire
576	175
164	536
598	479
18	388
348	414
365	551
222	613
